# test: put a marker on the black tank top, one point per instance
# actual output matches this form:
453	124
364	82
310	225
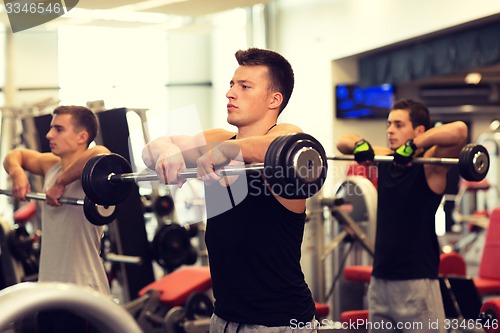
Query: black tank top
254	250
406	242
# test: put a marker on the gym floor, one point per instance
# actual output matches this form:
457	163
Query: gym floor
472	257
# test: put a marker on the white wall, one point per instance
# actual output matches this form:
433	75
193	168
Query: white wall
228	36
188	68
33	64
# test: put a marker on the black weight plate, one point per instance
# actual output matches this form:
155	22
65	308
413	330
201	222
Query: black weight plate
97	214
306	160
191	257
473	162
174	319
85	177
285	173
171	246
198	305
275	170
163	205
270	160
98	187
465	163
289	153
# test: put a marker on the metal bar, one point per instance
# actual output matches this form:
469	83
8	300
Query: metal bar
417	160
184	174
334	243
43	197
353	229
113	257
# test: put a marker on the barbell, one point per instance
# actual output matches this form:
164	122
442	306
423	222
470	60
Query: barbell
95	213
473	161
295	166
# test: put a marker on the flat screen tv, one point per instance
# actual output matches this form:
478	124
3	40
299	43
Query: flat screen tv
353	101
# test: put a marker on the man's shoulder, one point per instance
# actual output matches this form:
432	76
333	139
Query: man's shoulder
217	135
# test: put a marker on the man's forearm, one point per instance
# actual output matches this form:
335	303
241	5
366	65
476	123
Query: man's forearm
346	143
13	162
446	135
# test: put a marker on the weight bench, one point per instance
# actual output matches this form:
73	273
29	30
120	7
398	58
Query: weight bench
175	303
25	213
178	302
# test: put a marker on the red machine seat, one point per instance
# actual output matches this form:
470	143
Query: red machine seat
322	310
452	264
475	186
488	279
176	287
353	316
358	273
25	213
368	171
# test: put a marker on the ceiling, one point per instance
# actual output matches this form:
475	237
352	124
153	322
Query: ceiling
170	7
133	13
174	14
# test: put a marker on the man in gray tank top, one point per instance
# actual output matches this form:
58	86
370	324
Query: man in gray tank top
71	244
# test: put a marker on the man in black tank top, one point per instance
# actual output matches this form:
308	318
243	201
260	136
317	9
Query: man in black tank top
404	294
253	234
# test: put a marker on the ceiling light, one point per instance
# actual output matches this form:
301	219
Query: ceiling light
473	78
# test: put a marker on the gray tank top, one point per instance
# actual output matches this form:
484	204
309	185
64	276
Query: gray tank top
70	244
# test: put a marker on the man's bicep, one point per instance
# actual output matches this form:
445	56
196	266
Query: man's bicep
444	152
36	162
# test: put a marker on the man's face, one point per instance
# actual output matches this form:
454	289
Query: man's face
249	95
399	128
63	137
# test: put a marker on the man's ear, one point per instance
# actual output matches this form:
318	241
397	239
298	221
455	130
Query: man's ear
419	130
276	100
83	136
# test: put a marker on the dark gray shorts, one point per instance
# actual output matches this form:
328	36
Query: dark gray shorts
406	306
219	325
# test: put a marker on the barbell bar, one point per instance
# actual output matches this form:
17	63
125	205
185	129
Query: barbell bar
388	158
295	165
43	197
95	214
184	174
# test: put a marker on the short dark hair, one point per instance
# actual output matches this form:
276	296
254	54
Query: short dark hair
418	112
280	70
82	118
